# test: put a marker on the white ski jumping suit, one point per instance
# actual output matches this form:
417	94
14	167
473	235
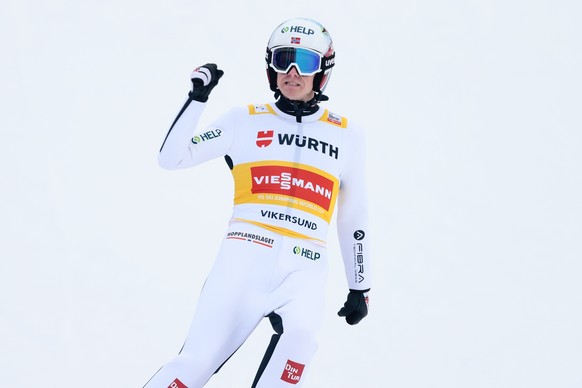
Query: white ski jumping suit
289	176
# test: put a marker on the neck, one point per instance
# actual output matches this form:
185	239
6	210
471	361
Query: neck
297	108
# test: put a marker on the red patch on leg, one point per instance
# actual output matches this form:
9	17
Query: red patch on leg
177	384
292	372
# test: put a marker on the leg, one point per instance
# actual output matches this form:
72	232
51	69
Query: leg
296	319
229	308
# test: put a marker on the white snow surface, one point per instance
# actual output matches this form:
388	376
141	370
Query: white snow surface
472	110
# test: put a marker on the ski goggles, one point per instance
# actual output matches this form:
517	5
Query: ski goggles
306	62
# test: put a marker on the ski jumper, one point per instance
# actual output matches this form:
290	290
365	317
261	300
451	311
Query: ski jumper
289	176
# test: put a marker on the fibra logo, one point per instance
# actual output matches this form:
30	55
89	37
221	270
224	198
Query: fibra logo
359	235
311	255
298	29
359	261
206	136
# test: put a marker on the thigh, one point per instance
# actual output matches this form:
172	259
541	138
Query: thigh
300	287
231	303
298	303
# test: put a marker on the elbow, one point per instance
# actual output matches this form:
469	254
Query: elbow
166	163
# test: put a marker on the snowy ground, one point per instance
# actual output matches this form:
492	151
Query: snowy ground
473	115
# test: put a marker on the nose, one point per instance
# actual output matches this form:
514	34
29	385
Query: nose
293	71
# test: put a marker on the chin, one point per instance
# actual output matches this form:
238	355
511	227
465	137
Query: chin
296	96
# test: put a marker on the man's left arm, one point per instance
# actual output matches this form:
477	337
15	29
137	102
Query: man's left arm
354	239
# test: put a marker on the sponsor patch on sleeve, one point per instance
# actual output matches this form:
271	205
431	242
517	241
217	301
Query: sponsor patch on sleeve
332	118
260	109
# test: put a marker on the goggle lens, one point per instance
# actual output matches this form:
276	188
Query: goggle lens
307	62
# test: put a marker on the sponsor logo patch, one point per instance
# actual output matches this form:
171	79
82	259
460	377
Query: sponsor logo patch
292	185
335	119
265	138
206	136
251	237
359	235
292	372
260	109
288	218
359	262
299	183
177	384
308	253
310	143
298	29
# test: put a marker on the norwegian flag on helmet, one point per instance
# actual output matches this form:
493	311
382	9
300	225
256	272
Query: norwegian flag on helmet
295	40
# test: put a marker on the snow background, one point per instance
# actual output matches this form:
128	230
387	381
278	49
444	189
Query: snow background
473	115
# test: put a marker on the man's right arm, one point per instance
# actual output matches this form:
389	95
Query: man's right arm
183	147
175	150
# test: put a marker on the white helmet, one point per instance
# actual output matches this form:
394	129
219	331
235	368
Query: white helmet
304	44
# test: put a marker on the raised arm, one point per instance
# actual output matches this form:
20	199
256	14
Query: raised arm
184	146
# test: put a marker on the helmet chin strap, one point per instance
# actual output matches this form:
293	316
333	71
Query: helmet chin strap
319	96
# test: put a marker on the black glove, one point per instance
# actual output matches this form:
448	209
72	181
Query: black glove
204	79
356	307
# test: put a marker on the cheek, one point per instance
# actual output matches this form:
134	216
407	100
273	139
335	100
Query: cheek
279	76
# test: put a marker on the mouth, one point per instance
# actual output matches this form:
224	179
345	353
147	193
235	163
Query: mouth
291	83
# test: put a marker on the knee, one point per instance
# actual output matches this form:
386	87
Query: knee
301	337
196	363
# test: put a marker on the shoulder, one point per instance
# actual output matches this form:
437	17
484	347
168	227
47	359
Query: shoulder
352	133
351	127
260	109
335	119
236	114
251	110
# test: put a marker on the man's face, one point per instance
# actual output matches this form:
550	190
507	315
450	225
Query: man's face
294	86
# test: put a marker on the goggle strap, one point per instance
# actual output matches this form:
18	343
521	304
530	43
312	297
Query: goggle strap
327	62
